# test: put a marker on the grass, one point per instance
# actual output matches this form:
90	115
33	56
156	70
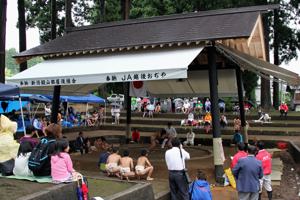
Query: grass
105	188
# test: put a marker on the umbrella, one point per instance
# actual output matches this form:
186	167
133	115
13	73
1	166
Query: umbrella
178	99
150	107
145	100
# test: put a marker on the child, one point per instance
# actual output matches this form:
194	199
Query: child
61	163
103	159
135	135
21	161
143	166
126	166
237	137
200	189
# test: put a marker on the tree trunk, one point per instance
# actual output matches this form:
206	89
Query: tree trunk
276	61
22	31
53	19
265	97
68	10
3	4
125	9
102	10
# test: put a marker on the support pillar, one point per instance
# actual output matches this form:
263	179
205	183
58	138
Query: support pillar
128	113
55	104
217	140
244	126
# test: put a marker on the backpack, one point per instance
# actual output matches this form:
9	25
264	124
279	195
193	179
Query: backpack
39	155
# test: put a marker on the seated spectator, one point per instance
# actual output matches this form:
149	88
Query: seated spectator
101	144
207	105
283	109
221	105
135	135
186	107
112	164
143	166
265	117
200	189
156	139
237	137
237	124
126	166
103	159
190	119
157	108
223	121
240	154
61	164
207	122
190	136
30	132
21	161
101	113
170	134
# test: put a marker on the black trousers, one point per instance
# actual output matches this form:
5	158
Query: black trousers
179	187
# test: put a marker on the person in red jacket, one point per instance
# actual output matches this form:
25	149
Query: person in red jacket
266	159
240	154
135	135
283	108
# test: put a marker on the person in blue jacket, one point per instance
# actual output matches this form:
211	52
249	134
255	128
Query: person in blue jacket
200	189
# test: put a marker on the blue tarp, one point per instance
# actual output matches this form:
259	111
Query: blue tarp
81	99
27	97
8	90
13	105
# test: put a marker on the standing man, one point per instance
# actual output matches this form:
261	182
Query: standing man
247	173
240	154
176	164
266	159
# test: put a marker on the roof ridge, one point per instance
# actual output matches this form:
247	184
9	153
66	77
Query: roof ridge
175	17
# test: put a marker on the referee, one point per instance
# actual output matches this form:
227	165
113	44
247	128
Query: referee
177	181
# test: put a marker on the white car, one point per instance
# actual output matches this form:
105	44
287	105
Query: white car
116	98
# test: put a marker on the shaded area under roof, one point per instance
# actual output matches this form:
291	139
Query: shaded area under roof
260	67
201	26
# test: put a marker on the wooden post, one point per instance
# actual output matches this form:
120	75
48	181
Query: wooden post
239	81
3	7
217	140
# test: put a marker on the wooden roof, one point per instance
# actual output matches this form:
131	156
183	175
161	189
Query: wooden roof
239	28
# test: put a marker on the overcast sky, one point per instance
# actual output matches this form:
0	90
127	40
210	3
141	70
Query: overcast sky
12	35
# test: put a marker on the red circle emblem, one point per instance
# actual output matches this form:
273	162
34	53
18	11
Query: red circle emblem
138	84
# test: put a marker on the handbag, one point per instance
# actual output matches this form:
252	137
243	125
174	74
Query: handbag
185	171
7	167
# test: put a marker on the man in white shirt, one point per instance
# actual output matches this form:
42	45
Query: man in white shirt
171	133
176	165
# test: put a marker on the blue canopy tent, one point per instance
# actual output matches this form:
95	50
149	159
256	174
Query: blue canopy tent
7	90
82	99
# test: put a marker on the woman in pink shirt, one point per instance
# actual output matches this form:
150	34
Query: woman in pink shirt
61	163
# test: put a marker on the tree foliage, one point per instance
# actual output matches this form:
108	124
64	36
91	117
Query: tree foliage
12	67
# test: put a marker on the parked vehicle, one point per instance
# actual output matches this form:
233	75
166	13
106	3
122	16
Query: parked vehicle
116	98
296	100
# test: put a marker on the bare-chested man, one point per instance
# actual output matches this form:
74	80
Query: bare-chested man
112	163
143	166
126	166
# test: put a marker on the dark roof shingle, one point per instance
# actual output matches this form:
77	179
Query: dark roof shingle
201	26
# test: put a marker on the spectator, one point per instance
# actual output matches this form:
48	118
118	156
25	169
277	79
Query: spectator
207	105
80	144
237	137
223	121
186	107
265	157
240	154
170	134
61	164
190	136
221	106
47	111
283	108
175	160
200	189
21	161
30	132
237	124
103	159
247	173
207	122
135	135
